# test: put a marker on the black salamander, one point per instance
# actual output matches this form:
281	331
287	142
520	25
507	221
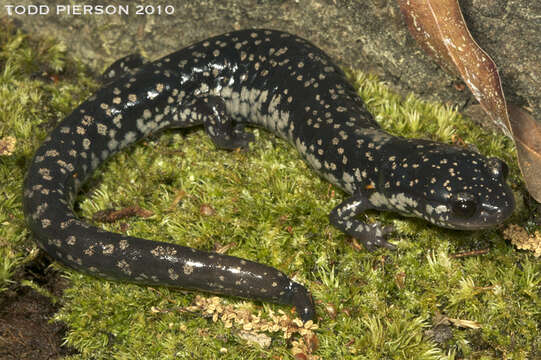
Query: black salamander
264	78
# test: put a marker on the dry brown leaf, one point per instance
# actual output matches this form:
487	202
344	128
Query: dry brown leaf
424	29
527	133
439	27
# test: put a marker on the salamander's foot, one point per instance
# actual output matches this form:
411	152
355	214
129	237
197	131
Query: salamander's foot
371	236
243	138
225	132
374	236
234	141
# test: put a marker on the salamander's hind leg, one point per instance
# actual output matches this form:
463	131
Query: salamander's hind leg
372	236
225	132
127	64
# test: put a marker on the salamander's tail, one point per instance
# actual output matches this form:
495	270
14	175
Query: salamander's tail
115	256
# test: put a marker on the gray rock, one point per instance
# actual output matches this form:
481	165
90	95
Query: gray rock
367	35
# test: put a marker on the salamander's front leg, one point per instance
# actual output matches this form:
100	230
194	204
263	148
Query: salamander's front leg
371	235
225	132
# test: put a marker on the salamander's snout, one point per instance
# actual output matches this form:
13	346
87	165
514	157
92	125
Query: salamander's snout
497	214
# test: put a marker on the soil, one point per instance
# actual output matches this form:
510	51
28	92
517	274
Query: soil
26	331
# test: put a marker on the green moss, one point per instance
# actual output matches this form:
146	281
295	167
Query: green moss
30	102
271	208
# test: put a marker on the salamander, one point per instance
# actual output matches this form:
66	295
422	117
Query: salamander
262	78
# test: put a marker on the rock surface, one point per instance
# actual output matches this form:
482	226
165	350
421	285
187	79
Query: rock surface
368	35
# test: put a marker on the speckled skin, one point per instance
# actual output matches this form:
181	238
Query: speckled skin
265	78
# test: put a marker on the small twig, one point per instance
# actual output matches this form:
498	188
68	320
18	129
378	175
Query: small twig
114	215
469	253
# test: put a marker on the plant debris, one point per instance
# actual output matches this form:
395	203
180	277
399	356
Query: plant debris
252	327
522	240
7	145
112	215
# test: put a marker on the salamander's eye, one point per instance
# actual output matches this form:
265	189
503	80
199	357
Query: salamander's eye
464	205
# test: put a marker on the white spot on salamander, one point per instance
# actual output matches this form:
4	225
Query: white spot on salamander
378	200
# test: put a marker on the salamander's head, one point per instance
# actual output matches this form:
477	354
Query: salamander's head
451	187
483	199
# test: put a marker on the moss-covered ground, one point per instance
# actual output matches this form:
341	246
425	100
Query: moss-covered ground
441	295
